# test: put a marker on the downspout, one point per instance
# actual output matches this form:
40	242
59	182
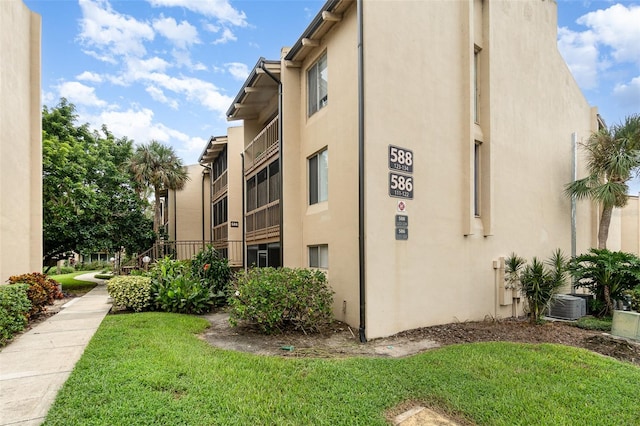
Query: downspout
202	188
244	218
574	171
280	132
175	215
361	230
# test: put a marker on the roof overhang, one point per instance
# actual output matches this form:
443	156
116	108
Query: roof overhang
330	14
213	149
256	92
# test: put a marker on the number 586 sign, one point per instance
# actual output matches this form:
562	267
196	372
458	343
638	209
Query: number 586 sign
400	186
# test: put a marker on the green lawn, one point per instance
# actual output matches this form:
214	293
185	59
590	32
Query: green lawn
71	285
150	368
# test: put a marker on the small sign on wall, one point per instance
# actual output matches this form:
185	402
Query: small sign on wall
234	224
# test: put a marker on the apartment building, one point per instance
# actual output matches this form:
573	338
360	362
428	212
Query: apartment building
407	148
20	141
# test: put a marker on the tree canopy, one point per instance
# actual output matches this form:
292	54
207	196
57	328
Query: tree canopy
89	200
613	158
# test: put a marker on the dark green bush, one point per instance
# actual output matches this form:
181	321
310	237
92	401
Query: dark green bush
607	274
175	290
635	298
130	292
42	290
213	272
277	299
14	310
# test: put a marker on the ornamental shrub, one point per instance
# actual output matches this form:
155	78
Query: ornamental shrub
42	290
278	299
213	272
174	289
14	310
130	292
538	281
607	274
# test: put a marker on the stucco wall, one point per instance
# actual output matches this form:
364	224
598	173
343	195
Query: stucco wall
419	96
334	127
20	141
186	208
630	235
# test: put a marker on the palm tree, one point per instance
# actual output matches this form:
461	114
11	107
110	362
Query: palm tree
613	158
156	166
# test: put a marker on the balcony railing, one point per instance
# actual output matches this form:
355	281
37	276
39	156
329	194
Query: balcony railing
264	222
262	147
183	250
220	185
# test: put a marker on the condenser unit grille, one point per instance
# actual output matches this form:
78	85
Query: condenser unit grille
567	307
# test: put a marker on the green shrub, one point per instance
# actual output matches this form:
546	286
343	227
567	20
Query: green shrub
277	299
184	295
213	271
538	281
635	298
14	310
607	274
175	290
130	292
42	290
592	323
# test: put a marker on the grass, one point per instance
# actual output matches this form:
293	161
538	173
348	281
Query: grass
150	368
71	285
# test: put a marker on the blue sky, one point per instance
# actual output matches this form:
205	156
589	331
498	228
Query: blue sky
169	69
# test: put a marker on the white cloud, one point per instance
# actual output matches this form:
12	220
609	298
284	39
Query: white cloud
617	27
195	90
111	31
182	35
90	76
218	9
79	94
580	51
158	95
227	35
628	95
238	70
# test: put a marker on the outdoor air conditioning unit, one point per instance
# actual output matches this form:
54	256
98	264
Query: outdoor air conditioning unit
567	307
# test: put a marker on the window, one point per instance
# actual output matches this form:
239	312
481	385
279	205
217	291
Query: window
319	256
317	84
263	187
220	164
476	178
319	177
476	92
220	212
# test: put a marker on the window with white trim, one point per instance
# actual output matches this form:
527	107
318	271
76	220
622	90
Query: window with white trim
319	177
319	256
317	85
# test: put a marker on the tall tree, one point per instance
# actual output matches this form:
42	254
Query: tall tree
613	158
157	166
89	201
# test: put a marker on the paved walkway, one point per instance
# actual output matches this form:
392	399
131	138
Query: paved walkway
36	364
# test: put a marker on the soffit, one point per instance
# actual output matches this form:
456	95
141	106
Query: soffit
213	149
257	92
330	14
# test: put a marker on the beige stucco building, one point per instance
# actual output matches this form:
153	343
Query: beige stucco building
20	141
407	148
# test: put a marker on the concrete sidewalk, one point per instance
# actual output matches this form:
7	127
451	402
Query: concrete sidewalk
36	364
